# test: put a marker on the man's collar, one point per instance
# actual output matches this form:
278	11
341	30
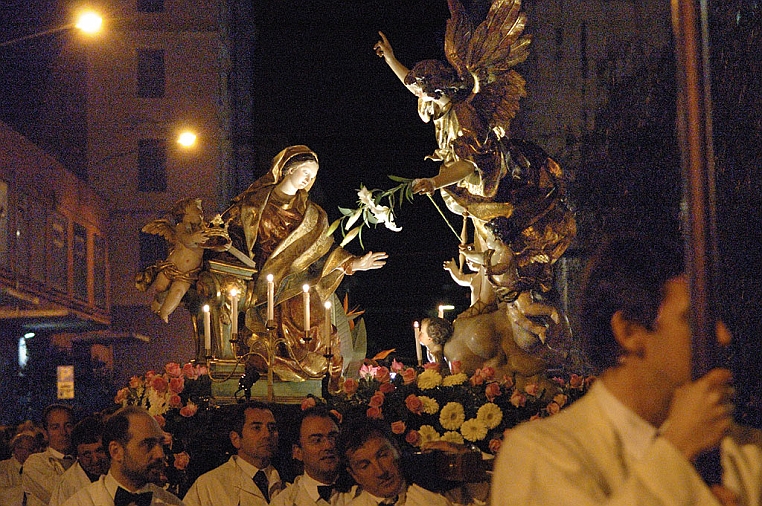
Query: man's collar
636	433
311	486
112	484
55	453
247	468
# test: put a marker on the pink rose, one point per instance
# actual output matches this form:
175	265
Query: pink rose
492	390
552	408
398	427
382	375
374	412
518	399
160	420
576	381
182	460
589	381
338	415
159	384
135	382
488	373
377	400
408	376
507	381
455	367
308	402
477	378
413	438
189	371
189	410
201	370
431	365
558	381
173	369
350	386
560	399
175	401
494	445
177	385
414	404
122	395
149	376
386	388
397	366
532	389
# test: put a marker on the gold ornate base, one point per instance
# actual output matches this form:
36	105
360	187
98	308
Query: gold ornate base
226	376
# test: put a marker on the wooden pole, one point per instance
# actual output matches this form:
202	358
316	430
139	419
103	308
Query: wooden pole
694	124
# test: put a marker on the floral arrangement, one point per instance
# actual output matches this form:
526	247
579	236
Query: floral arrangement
173	397
371	211
422	405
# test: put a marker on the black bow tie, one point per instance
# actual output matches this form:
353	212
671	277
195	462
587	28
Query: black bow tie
125	498
325	492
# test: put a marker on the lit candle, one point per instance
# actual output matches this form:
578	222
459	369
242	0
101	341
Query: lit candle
270	298
306	298
234	311
418	353
207	329
327	325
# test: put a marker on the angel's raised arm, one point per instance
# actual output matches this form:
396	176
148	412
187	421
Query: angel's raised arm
384	50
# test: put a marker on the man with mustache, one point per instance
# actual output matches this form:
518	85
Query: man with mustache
373	460
248	478
316	450
135	444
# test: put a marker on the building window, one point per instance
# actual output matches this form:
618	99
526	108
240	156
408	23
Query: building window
150	5
152	248
5	256
152	165
58	257
99	271
80	262
151	73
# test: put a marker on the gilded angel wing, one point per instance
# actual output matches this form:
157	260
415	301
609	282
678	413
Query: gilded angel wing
489	54
458	33
161	227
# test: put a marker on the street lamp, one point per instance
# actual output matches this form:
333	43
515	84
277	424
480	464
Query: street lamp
88	22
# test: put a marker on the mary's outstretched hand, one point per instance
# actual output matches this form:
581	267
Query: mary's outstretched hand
369	261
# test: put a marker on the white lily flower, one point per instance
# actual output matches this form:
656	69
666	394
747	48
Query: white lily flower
366	197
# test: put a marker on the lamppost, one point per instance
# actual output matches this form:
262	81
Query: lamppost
87	22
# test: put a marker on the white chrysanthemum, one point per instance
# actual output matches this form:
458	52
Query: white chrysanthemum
429	379
455	379
430	406
473	430
452	415
452	436
428	434
159	403
490	415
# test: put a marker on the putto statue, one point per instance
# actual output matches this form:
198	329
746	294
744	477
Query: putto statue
510	189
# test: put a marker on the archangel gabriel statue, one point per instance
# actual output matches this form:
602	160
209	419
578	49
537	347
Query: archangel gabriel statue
510	189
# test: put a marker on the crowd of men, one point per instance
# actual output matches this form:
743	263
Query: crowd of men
633	439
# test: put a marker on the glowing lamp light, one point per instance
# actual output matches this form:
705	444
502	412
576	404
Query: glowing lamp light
186	139
89	22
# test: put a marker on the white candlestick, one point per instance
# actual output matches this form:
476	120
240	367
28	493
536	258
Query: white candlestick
270	298
306	298
207	329
418	353
327	325
234	311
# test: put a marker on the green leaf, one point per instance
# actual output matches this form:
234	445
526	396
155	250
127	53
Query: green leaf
345	211
399	179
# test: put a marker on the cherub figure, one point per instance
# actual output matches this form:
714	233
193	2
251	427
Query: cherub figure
471	100
171	278
482	293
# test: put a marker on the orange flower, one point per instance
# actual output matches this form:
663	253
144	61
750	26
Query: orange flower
377	400
374	412
492	390
413	438
408	376
159	384
173	369
182	460
350	386
414	404
398	427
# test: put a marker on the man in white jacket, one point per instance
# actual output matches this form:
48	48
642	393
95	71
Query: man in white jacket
316	450
248	478
634	437
92	460
135	444
373	460
42	471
